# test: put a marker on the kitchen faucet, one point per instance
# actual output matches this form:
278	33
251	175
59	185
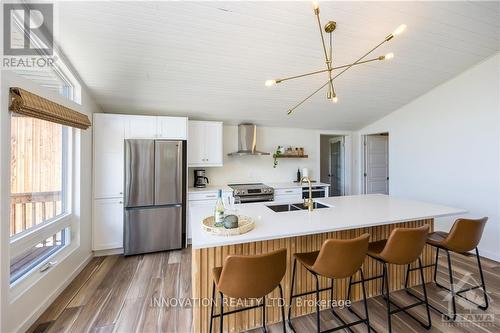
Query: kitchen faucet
309	203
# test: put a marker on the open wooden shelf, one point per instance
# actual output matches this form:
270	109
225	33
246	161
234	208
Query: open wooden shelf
292	156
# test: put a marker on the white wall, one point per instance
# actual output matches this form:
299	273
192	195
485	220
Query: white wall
260	168
444	148
18	312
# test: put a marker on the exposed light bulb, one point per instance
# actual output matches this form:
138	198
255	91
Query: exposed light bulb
399	30
315	4
270	83
335	99
389	56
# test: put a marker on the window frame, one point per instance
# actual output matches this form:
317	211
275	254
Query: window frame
29	238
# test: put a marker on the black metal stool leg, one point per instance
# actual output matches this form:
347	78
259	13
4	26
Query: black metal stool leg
264	314
282	306
452	287
212	308
291	295
436	265
483	285
385	278
221	313
364	298
429	322
318	329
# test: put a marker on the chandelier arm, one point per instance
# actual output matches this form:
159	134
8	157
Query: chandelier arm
360	58
326	70
305	99
323	41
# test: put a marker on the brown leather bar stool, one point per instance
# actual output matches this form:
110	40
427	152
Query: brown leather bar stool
403	247
463	237
337	259
249	277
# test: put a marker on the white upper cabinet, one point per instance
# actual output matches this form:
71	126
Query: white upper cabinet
109	134
152	127
172	128
140	127
205	144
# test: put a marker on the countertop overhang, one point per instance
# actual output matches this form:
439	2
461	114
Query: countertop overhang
348	212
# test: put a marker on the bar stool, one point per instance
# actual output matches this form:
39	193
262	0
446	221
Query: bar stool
463	237
337	259
403	247
246	277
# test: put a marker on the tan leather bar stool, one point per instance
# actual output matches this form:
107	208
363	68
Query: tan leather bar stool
249	277
337	259
403	247
463	237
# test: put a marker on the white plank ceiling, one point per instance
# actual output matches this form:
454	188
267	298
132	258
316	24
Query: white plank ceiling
209	60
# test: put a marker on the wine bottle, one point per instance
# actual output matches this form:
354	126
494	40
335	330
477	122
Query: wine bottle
219	210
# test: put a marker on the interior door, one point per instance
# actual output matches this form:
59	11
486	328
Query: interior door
376	164
168	172
337	167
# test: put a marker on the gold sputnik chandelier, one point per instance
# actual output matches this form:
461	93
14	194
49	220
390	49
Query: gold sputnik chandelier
329	28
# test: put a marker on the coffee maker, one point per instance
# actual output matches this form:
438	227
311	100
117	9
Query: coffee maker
200	180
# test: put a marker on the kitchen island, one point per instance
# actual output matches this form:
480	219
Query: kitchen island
303	231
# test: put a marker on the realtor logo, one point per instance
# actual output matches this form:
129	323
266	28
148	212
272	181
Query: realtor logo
28	29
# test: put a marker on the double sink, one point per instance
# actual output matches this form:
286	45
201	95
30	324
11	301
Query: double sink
294	207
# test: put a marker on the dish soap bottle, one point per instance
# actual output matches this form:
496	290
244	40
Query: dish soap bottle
298	175
219	211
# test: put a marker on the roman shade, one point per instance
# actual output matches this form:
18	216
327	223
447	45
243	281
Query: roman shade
28	104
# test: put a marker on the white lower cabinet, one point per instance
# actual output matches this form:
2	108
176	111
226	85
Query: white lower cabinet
202	205
288	195
107	224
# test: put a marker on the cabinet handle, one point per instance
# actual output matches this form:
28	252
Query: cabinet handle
120	202
121	192
211	196
288	191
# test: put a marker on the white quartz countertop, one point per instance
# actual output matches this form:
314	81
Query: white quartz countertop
293	185
349	212
210	188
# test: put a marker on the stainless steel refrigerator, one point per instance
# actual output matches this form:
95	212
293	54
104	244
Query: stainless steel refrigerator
154	196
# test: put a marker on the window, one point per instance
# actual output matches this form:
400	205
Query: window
31	258
39	187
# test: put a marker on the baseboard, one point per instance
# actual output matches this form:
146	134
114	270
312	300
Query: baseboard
110	252
38	312
489	254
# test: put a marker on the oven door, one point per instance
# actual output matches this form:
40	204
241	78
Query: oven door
253	198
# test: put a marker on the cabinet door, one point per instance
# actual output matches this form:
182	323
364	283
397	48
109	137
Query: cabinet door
213	146
108	155
140	127
172	128
196	143
107	228
291	198
197	211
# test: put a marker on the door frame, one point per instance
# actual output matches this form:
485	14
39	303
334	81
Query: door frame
348	175
363	160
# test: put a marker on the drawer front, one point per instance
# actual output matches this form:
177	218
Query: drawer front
212	195
288	191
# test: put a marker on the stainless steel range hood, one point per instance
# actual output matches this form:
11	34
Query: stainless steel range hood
247	141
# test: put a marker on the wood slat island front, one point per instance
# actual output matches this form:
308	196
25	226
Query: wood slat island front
210	251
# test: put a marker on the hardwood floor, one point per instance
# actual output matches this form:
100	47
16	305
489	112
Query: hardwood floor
114	294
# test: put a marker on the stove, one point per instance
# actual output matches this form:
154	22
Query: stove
255	192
